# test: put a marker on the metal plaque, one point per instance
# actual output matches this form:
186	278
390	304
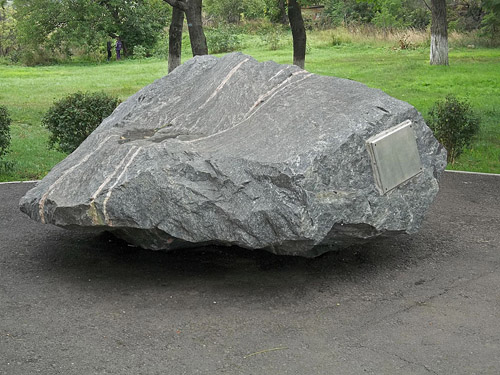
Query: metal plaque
394	156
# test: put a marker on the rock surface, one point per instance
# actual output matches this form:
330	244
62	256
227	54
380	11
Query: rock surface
235	152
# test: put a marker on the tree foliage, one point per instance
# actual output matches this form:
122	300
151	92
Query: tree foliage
381	13
491	21
465	15
7	29
232	11
67	27
350	12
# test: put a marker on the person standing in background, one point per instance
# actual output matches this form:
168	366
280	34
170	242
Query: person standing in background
119	47
108	47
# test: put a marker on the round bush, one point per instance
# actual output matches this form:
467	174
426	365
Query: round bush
72	119
5	121
454	124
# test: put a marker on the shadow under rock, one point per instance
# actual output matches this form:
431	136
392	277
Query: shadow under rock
107	257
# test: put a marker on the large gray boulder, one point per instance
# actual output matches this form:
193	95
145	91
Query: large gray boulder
230	151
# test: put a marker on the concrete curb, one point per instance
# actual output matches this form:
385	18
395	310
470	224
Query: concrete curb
479	173
19	182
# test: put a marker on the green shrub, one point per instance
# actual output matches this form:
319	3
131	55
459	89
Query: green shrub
5	121
272	36
35	57
73	118
454	124
223	39
140	52
340	37
160	50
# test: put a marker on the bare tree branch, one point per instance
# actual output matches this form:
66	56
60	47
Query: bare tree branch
425	2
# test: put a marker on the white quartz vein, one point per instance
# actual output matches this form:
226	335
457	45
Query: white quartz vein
262	99
43	199
108	194
224	81
277	89
110	177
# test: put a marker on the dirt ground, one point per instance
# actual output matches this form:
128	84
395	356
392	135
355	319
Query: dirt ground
78	303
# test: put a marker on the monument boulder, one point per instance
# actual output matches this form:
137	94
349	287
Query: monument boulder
230	151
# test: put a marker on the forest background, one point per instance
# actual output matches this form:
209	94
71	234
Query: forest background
35	32
382	43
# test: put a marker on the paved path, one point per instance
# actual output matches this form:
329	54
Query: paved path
72	303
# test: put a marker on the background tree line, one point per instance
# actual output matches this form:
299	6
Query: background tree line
38	31
49	29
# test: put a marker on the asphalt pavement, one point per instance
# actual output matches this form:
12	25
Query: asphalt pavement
78	303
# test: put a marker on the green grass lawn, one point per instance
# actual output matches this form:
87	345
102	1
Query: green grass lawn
404	74
29	92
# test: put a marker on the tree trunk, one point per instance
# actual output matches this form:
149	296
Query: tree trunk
175	39
192	9
439	33
298	33
195	27
282	18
